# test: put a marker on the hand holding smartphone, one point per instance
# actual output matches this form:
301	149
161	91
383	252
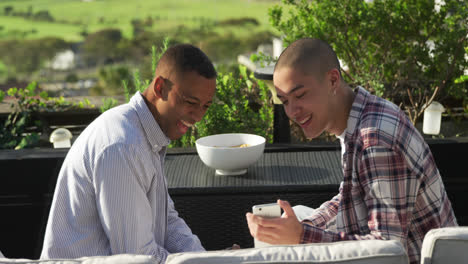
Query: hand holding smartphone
271	210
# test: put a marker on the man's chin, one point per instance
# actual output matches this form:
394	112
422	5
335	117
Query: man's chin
177	134
176	137
312	135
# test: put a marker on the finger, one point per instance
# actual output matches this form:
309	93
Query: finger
265	235
267	239
253	219
248	216
251	224
257	220
258	225
289	212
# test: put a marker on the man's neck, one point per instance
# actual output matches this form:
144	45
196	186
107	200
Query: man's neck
150	101
344	104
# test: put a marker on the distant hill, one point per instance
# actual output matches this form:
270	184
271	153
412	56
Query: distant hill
70	19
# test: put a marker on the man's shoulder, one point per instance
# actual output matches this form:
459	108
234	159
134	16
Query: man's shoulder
378	110
117	114
117	126
385	124
120	119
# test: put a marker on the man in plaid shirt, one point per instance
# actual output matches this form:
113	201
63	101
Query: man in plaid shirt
391	187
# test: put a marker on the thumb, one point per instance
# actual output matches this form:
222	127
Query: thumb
288	211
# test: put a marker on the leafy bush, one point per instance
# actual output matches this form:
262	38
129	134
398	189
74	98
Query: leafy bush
107	104
463	80
110	80
20	129
405	51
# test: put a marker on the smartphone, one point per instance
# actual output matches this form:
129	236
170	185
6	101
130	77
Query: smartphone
271	210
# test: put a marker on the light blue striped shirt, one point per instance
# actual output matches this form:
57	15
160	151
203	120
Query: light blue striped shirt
111	194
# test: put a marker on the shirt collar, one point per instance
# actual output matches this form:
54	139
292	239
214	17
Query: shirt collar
154	134
359	103
342	136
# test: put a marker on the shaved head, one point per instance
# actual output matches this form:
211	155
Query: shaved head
310	56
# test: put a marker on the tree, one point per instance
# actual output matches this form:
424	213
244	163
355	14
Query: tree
27	56
103	46
7	10
407	51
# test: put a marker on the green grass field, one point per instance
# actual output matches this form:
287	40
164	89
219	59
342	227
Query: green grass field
72	16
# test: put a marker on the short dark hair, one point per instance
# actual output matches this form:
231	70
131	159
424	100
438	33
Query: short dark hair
311	56
183	58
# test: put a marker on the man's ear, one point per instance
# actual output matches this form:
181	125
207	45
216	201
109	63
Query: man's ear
158	87
334	78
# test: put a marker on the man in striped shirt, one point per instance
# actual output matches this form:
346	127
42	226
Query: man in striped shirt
111	195
391	187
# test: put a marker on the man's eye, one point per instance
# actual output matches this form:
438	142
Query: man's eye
300	95
190	103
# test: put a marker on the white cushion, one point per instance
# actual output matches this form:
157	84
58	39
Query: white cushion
117	259
445	245
362	252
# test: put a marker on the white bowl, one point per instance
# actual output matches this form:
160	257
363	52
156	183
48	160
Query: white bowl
220	152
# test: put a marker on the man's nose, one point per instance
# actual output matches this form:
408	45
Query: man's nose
292	111
198	114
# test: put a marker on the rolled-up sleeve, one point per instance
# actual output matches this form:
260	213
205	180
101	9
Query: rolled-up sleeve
327	211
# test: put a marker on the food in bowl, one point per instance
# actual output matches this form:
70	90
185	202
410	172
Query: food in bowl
230	154
240	146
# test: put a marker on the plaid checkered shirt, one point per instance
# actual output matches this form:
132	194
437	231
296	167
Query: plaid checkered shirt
391	187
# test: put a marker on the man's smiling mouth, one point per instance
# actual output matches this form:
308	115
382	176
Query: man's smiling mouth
304	120
187	124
